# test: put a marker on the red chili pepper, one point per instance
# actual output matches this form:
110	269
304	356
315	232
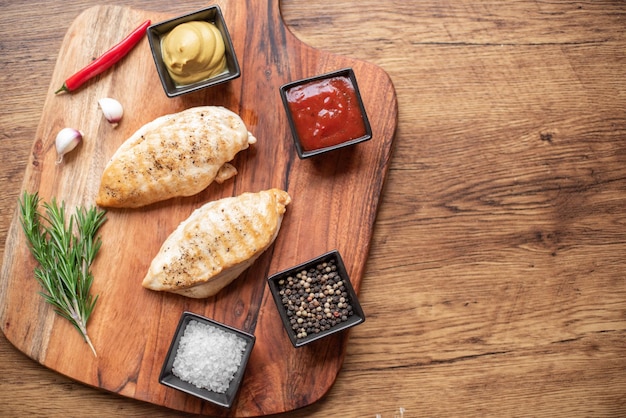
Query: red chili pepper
106	61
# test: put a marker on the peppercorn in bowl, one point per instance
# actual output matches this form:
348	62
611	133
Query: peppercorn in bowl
316	299
207	359
193	51
325	113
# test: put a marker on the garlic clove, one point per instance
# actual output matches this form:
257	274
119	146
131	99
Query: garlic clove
67	139
112	110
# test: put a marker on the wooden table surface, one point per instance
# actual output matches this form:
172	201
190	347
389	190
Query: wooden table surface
496	282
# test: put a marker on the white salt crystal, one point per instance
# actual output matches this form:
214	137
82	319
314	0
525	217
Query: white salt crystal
208	357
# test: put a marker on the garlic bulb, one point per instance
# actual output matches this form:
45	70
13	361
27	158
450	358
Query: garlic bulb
67	139
112	110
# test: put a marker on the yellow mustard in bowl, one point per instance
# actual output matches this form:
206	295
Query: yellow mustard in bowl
193	51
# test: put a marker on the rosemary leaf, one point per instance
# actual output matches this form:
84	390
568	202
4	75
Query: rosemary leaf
65	251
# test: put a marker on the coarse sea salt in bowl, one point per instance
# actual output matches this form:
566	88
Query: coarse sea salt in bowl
316	299
207	359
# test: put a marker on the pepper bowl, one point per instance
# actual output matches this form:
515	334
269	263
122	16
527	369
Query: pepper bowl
170	378
156	33
327	304
325	113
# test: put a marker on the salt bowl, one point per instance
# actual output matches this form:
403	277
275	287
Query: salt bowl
207	359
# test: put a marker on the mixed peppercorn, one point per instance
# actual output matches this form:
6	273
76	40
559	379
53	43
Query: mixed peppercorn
315	300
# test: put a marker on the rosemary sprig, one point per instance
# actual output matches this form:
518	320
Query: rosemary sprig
64	256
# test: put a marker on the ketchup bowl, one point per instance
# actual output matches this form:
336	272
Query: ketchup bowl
325	113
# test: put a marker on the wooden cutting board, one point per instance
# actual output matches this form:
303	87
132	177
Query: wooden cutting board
334	205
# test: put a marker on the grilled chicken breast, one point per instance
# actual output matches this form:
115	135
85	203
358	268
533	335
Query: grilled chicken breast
218	241
174	155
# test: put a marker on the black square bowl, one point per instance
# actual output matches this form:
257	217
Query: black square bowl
333	317
168	378
211	14
311	110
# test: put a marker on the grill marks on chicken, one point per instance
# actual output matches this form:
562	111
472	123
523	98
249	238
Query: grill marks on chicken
174	155
217	243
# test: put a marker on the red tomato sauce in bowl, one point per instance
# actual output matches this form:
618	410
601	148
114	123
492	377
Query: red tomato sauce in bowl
325	112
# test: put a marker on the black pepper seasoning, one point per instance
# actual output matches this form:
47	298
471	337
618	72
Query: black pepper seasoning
315	300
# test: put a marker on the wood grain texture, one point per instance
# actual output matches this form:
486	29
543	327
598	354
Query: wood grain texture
502	220
132	327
